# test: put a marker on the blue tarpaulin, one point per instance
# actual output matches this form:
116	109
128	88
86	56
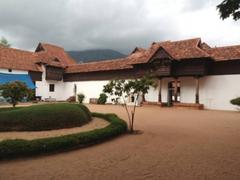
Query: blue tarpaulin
25	78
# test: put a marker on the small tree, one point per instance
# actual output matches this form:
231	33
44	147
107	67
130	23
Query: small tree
14	92
122	89
4	42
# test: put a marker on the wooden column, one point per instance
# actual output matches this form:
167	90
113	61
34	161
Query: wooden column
175	89
197	90
160	90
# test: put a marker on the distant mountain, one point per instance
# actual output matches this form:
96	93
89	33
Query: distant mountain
95	55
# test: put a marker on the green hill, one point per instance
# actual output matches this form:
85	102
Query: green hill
95	55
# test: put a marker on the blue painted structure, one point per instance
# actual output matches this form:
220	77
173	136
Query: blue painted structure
6	78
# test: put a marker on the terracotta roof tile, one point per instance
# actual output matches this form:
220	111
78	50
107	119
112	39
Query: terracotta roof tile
49	53
225	53
116	64
185	49
56	56
11	58
178	50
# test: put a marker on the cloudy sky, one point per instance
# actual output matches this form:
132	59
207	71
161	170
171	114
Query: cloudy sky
113	24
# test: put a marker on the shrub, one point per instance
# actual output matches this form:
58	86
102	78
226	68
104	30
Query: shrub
102	98
236	101
81	97
71	99
18	147
14	92
44	117
31	95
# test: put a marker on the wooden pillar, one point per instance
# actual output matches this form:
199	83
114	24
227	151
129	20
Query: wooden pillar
160	90
175	89
197	90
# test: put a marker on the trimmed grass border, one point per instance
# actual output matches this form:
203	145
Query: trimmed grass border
20	148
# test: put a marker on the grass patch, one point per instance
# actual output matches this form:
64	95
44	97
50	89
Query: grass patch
9	109
44	117
18	147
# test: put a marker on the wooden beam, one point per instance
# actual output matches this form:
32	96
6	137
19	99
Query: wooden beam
160	90
197	90
175	89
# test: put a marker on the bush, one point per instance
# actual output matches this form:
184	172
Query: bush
236	101
71	99
81	97
102	98
14	92
18	147
44	117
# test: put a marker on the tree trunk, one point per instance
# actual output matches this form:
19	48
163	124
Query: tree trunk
143	98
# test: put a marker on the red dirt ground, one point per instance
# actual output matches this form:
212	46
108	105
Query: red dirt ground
175	144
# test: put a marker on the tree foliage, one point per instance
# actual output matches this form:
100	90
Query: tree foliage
14	92
121	89
229	8
4	42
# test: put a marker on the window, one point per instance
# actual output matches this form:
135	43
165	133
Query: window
51	87
9	70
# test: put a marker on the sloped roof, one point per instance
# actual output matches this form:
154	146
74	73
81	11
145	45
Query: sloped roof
178	50
56	56
225	53
53	55
185	49
116	64
11	58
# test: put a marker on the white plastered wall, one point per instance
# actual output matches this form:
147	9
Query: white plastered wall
42	88
152	95
13	71
215	92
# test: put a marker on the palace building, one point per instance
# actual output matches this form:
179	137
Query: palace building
189	72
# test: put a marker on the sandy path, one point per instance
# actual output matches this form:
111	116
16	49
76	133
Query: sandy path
176	144
96	123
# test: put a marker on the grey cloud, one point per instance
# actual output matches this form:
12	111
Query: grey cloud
91	24
80	24
195	5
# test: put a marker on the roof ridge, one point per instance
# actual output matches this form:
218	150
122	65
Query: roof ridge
197	38
228	46
53	45
104	61
16	49
197	46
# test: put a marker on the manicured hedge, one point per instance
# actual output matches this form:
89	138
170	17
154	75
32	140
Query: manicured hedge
44	117
18	147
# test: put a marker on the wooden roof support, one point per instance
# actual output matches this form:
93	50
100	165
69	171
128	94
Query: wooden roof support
175	89
197	90
160	90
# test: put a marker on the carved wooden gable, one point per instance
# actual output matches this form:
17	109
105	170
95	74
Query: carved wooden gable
161	63
160	55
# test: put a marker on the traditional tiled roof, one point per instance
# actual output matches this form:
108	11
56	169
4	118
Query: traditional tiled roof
56	56
178	50
53	55
185	49
225	53
11	58
116	64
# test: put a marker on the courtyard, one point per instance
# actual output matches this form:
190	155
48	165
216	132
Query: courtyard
174	144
